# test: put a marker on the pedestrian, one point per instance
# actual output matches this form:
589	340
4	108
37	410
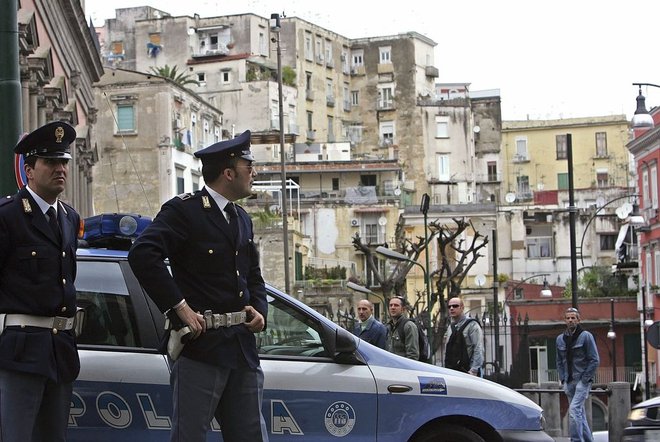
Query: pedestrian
215	270
464	340
369	328
38	241
577	361
408	346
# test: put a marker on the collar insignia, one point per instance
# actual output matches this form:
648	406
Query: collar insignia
205	202
27	208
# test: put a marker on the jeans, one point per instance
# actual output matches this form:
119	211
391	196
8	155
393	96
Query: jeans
577	393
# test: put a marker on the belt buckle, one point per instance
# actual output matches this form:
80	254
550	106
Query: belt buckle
60	322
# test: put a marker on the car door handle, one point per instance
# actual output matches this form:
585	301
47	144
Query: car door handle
399	388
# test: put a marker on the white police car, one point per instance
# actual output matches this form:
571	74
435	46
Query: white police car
321	382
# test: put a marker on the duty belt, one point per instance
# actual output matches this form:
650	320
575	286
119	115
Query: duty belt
217	320
52	322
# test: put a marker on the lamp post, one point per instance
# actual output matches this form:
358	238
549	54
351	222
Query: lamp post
403	258
611	334
545	291
275	27
571	219
642	118
424	208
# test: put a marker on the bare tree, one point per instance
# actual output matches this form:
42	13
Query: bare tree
455	259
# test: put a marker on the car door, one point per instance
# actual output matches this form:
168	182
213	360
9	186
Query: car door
122	392
309	395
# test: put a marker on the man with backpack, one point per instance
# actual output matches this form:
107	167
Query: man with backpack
464	341
404	344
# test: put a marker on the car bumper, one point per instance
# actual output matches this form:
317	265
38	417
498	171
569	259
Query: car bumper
640	434
525	436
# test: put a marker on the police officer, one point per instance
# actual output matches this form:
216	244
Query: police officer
215	271
38	241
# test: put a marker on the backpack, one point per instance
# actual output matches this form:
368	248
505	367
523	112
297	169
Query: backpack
456	355
424	347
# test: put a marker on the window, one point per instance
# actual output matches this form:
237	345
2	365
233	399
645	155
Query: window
521	149
492	171
601	144
126	118
385	54
368	180
539	241
355	98
180	181
562	181
308	82
109	314
371	231
358	58
656	256
442	127
263	46
443	167
225	77
354	133
562	147
602	178
319	50
201	77
329	91
309	52
523	187
117	48
310	119
654	186
646	192
331	129
386	133
608	241
328	52
335	184
385	97
195	182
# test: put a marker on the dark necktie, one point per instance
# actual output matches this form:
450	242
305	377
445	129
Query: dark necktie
54	225
233	219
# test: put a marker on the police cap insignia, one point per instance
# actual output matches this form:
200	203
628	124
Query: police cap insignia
51	140
238	147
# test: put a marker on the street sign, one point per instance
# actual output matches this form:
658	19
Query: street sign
653	335
19	171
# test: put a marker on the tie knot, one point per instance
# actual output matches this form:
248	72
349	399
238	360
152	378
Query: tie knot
51	213
231	210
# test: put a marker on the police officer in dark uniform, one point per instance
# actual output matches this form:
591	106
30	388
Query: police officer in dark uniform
216	289
38	241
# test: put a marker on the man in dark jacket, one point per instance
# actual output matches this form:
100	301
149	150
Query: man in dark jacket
404	344
215	271
369	328
38	242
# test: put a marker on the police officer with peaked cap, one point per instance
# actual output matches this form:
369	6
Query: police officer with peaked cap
38	241
217	290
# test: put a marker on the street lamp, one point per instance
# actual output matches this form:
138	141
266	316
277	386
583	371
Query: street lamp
388	253
611	334
545	291
642	118
275	27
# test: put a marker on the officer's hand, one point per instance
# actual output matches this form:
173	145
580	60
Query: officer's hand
255	321
192	319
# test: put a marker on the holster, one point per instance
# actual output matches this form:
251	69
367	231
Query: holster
179	334
79	321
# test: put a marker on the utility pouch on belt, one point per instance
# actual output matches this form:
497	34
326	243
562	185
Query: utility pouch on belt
179	334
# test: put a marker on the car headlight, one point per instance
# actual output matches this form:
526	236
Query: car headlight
637	414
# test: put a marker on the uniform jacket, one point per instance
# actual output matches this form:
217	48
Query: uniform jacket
408	349
208	271
374	333
585	357
36	278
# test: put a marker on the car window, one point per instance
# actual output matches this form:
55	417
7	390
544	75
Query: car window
289	332
109	314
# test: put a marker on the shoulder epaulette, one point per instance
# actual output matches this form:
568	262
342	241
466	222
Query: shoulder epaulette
6	200
185	196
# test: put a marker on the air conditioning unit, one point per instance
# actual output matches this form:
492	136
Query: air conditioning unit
355	222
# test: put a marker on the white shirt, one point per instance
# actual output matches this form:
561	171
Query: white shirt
43	205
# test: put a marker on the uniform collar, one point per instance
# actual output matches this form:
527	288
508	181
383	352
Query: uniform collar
43	205
220	200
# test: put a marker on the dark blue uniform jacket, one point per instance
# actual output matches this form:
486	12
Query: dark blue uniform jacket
209	270
36	278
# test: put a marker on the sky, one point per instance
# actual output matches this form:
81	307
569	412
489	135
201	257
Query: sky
559	59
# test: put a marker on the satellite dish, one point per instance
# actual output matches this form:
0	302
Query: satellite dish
510	197
382	221
627	207
191	31
476	129
600	202
480	280
397	191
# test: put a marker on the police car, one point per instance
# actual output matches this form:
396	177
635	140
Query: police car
321	382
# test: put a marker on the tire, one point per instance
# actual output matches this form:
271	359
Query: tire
448	433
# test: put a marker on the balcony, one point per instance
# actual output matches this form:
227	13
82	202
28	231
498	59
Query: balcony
385	104
330	101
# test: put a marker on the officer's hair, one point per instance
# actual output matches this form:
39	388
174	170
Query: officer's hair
31	161
211	171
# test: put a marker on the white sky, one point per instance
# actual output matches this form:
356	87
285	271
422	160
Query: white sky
550	59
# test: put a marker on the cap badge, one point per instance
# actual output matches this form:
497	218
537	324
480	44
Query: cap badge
59	134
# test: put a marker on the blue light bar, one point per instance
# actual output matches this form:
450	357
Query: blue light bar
114	230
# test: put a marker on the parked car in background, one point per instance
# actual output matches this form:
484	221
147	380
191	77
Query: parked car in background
643	422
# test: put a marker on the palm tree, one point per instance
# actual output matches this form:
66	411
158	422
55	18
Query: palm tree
171	72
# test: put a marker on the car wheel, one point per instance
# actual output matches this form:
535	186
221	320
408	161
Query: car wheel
448	433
